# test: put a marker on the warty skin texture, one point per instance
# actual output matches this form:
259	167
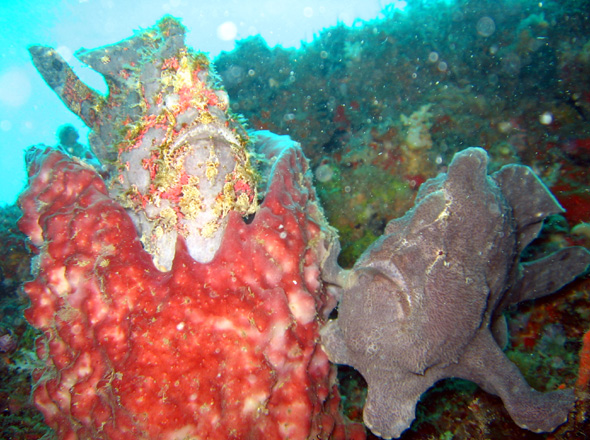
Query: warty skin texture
425	301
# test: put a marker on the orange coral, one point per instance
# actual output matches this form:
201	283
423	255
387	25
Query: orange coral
584	371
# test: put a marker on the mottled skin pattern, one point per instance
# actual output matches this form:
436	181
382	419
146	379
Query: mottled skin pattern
425	301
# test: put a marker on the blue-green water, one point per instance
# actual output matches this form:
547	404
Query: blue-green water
29	111
380	101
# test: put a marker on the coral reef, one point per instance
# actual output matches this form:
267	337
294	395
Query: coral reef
19	419
509	76
521	93
417	140
518	88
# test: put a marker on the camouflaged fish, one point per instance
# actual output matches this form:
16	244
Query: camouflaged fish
178	160
425	301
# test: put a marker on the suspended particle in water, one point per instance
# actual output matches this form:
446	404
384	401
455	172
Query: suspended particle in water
546	118
227	31
5	125
485	26
324	173
511	64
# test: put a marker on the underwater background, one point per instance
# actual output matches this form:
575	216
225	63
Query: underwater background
380	95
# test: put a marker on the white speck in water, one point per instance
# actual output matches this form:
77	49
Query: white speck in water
227	31
324	173
546	118
485	26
